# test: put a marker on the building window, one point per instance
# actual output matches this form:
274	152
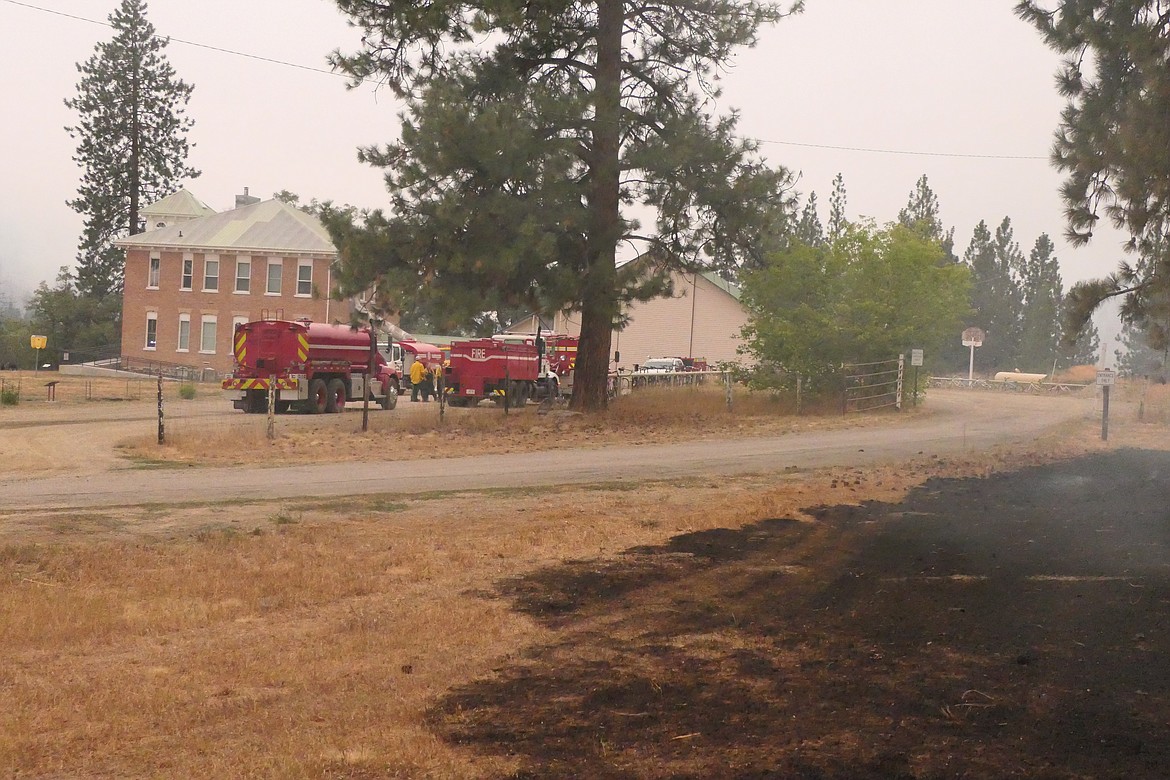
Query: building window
304	278
243	275
155	270
275	276
211	274
151	330
207	334
184	333
188	272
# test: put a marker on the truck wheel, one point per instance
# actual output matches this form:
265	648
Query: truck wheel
318	396
515	396
335	402
390	399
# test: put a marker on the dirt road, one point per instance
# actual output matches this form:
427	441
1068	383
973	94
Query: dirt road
959	422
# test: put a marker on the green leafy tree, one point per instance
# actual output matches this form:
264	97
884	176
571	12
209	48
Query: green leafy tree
1113	142
866	296
14	333
529	132
837	219
72	321
131	142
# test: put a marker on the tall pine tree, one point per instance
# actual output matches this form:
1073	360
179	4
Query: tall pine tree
837	219
131	142
996	297
809	229
921	215
1113	142
531	130
1043	297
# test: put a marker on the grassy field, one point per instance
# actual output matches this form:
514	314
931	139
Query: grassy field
315	638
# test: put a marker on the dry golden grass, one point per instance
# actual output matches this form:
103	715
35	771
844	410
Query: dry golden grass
72	389
309	638
652	415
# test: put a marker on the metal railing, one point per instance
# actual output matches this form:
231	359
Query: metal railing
135	365
625	382
1006	385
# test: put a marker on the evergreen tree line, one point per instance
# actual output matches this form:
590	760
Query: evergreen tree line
1016	299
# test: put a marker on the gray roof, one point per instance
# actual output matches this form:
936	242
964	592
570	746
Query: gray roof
178	204
731	288
266	227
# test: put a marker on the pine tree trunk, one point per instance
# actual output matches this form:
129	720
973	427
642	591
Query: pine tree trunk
599	304
135	143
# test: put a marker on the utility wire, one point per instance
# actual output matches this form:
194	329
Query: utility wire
233	52
909	152
185	42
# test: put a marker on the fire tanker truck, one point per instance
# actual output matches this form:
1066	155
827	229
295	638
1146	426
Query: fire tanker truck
508	369
313	366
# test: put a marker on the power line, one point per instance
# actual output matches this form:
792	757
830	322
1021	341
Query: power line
908	151
196	44
233	52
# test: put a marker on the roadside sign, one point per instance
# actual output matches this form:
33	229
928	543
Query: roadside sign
915	357
38	342
1106	377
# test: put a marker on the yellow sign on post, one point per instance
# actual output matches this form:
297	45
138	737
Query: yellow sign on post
38	343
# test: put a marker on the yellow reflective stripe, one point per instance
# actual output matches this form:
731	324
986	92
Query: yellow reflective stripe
302	347
258	384
241	346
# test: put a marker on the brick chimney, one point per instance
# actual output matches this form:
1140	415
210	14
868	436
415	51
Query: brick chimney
246	199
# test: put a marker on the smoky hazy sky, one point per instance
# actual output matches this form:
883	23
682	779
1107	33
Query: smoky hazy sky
882	92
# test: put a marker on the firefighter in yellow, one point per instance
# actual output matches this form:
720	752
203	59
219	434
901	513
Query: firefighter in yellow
418	375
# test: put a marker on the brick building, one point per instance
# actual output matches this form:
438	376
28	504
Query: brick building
196	273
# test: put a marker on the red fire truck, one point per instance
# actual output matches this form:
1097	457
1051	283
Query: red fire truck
561	353
507	369
312	366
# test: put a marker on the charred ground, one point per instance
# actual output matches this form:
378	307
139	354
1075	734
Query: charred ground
1014	625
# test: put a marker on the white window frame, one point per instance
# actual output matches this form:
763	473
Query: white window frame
183	342
277	263
206	276
247	280
150	345
204	321
301	265
187	280
153	272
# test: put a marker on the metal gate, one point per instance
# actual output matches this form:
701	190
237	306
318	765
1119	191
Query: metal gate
870	386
